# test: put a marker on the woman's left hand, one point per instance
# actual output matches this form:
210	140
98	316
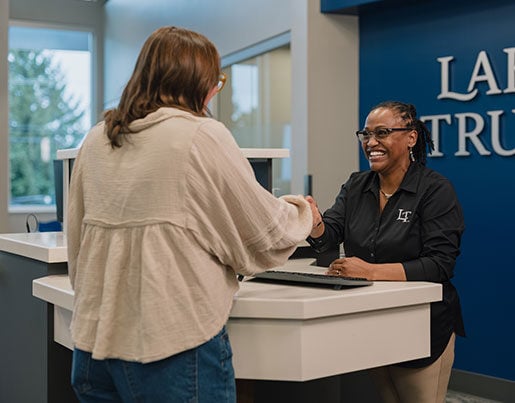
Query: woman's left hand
351	267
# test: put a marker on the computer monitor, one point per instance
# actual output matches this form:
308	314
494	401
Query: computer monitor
263	170
58	186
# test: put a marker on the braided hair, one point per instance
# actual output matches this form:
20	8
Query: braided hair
408	114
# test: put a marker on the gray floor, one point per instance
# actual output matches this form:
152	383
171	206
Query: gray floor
458	397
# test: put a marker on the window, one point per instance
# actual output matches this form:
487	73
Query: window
50	73
255	105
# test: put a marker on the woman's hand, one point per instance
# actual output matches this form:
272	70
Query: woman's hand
356	267
351	267
318	225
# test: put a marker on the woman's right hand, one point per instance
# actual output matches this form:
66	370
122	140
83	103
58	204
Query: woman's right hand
318	224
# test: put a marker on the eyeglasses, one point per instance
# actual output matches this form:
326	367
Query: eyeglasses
381	133
222	78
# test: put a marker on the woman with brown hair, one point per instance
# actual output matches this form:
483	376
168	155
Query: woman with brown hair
164	211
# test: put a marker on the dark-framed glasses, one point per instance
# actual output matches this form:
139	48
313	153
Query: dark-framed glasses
222	78
381	133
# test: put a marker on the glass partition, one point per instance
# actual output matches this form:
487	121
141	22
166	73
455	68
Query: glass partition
255	105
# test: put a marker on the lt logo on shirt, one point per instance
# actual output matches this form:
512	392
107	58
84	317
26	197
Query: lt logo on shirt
404	215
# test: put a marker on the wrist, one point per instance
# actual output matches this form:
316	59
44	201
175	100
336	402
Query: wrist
317	230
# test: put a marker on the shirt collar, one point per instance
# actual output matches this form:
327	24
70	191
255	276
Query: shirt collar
409	182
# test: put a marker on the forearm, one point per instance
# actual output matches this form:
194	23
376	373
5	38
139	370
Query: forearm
388	272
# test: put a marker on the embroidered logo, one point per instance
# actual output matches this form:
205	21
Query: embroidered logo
404	215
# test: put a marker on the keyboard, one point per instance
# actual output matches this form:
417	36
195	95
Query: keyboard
313	279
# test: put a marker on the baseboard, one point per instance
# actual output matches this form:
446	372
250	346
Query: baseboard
499	389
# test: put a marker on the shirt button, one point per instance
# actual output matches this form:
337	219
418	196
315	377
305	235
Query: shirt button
372	254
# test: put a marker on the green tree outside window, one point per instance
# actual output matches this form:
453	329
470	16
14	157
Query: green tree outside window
42	119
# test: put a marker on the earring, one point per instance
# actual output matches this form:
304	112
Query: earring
411	155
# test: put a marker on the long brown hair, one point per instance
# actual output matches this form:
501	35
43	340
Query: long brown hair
175	68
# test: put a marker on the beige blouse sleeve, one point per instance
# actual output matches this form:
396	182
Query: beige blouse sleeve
232	215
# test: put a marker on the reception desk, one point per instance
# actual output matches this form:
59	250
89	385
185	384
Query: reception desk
34	368
289	333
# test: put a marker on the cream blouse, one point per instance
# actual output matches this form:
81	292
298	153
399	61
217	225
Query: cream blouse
157	231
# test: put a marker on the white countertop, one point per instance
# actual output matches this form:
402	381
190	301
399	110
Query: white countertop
265	300
49	247
276	330
276	301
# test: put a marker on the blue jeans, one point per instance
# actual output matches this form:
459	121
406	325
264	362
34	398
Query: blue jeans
201	375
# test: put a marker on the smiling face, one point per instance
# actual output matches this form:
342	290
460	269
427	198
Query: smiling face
389	154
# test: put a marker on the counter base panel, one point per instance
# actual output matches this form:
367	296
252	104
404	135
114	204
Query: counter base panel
303	350
312	349
33	365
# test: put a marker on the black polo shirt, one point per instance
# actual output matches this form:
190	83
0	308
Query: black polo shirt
420	226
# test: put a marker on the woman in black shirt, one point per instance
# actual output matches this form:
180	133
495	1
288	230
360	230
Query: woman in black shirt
400	221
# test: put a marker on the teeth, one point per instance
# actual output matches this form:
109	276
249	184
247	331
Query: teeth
376	153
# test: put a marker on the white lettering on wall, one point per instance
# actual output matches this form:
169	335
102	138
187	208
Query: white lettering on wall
496	140
444	82
482	72
483	64
471	125
510	71
472	135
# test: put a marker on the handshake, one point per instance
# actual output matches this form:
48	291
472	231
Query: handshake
318	224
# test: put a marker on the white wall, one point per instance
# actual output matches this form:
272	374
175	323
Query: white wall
325	98
324	69
332	109
230	24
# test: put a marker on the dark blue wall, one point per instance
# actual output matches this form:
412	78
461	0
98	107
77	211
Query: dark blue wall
399	48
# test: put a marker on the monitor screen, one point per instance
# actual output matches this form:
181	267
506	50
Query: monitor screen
263	170
58	186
